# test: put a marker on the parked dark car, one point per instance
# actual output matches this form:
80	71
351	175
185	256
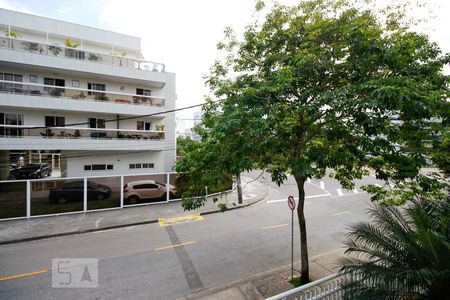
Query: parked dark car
32	171
73	191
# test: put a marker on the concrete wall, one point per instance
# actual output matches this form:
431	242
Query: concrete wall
120	160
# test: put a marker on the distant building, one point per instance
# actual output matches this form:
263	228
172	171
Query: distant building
84	88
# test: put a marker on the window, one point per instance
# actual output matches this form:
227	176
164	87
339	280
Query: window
11	87
98	167
54	82
142	166
96	123
11	119
76	83
143	92
96	87
145	186
141	125
122	88
33	78
53	121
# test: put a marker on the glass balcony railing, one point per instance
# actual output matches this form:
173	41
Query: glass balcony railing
61	132
34	89
79	54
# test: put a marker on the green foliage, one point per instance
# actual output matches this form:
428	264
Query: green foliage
323	85
441	155
297	281
400	253
423	186
195	175
314	88
101	96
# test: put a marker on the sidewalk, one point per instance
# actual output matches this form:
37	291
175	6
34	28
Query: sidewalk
270	283
38	228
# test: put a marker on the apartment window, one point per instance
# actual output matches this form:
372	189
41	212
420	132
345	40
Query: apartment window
143	92
11	87
33	78
76	83
142	166
142	125
122	88
54	82
96	87
11	119
96	123
53	121
98	167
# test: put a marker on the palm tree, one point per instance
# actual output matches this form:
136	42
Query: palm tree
401	253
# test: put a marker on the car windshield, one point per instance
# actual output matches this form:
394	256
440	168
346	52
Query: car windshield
31	167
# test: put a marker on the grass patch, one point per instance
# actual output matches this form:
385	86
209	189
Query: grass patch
297	281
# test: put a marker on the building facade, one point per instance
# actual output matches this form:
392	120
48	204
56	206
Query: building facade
82	99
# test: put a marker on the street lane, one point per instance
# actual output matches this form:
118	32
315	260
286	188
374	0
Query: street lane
140	262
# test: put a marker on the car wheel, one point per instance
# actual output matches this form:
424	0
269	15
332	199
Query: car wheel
38	175
100	196
172	196
132	199
49	174
164	197
62	200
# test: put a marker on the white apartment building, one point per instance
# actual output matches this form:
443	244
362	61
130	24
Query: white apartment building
82	99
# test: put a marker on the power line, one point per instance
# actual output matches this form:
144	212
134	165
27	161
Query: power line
125	118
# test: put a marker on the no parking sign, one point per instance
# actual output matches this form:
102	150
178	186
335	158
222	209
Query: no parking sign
291	202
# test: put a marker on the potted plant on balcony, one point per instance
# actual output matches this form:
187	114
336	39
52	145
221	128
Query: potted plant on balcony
54	49
94	57
101	96
160	127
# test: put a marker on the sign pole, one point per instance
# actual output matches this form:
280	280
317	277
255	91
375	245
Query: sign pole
291	204
292	244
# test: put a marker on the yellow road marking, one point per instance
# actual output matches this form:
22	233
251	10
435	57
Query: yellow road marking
341	213
179	220
176	245
275	226
23	275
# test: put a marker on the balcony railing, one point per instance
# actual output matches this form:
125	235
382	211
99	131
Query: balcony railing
21	131
325	288
34	89
18	44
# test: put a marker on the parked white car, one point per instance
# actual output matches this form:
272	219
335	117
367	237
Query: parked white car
134	191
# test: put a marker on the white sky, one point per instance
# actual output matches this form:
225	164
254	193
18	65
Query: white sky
184	34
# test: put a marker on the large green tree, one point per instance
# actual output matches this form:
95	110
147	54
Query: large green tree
323	85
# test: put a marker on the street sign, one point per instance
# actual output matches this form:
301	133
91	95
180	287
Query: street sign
291	202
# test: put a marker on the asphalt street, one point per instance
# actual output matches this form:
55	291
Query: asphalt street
167	262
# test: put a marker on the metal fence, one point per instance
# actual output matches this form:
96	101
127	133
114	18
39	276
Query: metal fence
325	288
31	198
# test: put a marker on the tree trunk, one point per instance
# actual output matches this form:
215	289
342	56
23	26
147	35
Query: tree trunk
302	224
239	188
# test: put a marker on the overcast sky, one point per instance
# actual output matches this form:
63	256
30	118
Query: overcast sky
183	34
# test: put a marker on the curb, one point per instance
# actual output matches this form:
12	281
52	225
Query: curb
43	237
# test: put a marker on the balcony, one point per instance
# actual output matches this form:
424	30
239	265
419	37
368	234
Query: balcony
79	138
56	50
40	90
